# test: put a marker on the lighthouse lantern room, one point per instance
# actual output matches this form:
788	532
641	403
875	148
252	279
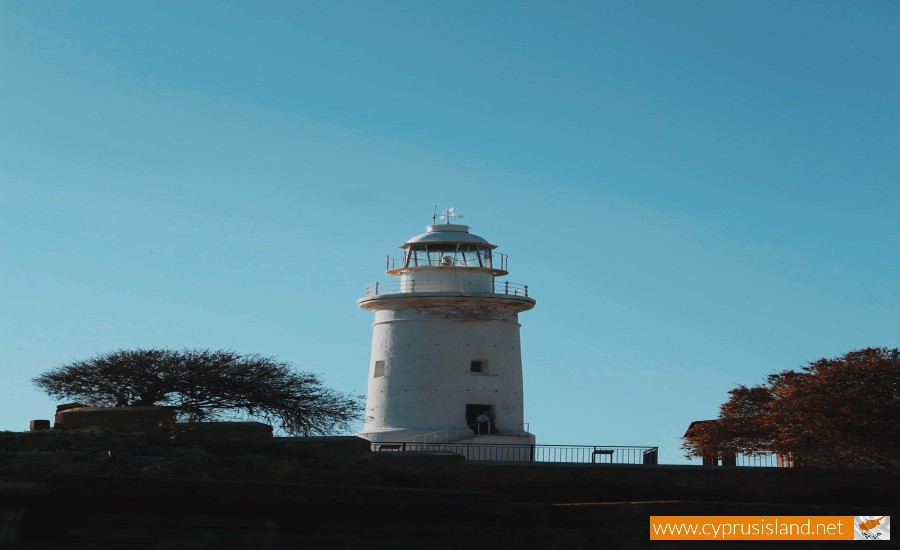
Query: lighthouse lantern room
446	362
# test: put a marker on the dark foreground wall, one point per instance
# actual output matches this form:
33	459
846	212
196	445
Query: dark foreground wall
102	491
556	483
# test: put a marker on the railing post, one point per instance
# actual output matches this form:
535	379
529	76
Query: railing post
526	291
506	291
376	289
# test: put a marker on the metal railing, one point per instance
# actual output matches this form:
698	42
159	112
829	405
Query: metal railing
440	436
761	460
596	454
754	460
476	287
500	428
574	454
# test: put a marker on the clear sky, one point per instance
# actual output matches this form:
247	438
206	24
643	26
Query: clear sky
697	193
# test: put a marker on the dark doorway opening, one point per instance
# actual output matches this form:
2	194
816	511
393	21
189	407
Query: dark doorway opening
480	428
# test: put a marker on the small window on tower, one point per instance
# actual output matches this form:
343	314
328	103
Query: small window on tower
379	369
478	366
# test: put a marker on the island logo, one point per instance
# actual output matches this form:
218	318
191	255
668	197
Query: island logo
871	527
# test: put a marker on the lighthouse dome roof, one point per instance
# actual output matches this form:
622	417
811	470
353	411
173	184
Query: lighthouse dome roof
447	233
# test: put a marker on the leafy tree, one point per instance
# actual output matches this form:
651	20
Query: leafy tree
842	412
206	385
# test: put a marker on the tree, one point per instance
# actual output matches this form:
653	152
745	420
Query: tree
842	412
206	385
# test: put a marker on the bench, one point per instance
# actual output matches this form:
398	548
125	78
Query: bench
601	452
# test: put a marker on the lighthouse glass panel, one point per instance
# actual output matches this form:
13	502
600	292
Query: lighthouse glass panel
447	254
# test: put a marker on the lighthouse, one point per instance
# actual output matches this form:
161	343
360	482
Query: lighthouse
446	351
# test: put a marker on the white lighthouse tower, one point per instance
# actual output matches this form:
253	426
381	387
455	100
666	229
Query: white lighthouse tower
445	344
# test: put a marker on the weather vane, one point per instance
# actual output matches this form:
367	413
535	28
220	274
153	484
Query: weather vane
445	215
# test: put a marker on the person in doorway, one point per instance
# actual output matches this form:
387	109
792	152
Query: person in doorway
485	423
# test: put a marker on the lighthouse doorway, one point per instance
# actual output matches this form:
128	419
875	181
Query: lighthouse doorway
480	428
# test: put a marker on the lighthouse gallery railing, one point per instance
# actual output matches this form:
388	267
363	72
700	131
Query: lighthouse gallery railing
403	287
443	257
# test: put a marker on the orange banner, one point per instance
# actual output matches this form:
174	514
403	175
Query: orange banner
751	527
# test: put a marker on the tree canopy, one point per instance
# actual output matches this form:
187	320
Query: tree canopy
841	412
206	385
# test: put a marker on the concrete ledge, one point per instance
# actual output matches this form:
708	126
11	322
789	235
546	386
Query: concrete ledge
327	447
62	440
405	458
221	433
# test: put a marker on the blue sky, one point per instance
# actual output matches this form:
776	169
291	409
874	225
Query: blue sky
697	193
